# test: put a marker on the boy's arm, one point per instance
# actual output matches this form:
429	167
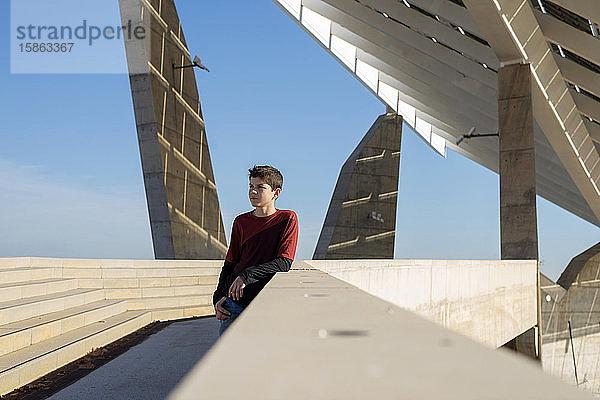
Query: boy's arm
233	256
222	286
256	272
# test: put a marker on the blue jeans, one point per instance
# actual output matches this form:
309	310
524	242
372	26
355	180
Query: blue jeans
235	311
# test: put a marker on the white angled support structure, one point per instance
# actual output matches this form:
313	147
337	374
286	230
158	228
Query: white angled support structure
569	37
586	8
435	63
320	27
579	75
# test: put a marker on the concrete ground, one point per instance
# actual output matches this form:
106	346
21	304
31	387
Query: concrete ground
151	369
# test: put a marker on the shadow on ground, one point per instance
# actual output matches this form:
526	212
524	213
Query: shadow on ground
151	369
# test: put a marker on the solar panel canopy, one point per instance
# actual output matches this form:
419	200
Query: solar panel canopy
435	62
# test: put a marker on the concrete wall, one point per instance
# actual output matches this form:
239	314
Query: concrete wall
308	335
489	301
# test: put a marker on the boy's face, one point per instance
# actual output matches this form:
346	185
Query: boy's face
261	193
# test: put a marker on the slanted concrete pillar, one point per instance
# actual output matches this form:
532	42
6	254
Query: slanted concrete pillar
518	217
185	217
361	219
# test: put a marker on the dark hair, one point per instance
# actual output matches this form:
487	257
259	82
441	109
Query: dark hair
269	174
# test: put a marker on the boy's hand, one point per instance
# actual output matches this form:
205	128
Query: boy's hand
236	290
220	311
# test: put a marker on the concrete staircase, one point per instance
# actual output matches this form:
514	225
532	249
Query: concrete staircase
54	311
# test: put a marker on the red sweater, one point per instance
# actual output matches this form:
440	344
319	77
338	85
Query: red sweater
259	248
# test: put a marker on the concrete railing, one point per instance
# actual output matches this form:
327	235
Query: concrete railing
308	335
491	301
53	311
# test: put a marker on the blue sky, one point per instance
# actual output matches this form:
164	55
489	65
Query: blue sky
70	174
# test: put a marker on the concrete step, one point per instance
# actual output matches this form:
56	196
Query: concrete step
26	274
22	290
23	366
160	291
18	335
13	262
20	309
133	283
168	314
131	264
18	262
169	302
170	272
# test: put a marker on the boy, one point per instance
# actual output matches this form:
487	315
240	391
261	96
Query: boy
263	242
